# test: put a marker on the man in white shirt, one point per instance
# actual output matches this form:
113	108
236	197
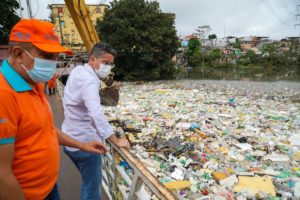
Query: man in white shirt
84	117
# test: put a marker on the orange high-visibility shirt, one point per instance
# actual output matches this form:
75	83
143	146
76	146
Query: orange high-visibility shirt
26	120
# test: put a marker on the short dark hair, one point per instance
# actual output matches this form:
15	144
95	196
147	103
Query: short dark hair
102	48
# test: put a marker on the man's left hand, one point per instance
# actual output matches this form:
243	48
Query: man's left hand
94	147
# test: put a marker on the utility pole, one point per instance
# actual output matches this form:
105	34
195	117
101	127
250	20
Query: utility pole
29	8
298	25
60	28
20	3
201	33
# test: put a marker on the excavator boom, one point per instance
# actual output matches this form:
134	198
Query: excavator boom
83	22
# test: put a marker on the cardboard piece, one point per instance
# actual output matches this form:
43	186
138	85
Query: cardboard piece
255	185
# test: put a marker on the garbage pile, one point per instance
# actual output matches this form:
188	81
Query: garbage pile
206	141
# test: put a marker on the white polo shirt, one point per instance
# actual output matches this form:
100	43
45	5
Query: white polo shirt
84	117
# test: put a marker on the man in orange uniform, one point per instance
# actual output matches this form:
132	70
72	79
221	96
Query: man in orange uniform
51	84
29	141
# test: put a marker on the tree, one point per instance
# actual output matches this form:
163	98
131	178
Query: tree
214	55
144	37
212	36
252	57
8	18
193	52
269	49
237	44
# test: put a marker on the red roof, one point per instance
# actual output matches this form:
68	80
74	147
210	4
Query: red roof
188	37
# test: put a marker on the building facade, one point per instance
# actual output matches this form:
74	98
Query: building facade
65	27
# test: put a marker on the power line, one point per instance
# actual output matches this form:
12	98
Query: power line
29	8
269	6
20	4
38	8
285	6
99	4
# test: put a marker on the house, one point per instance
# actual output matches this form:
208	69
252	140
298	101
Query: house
291	44
231	51
248	42
256	51
65	27
218	42
184	41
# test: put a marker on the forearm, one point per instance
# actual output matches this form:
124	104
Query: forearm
10	187
66	140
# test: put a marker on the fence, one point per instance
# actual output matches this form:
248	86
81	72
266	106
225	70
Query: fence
124	176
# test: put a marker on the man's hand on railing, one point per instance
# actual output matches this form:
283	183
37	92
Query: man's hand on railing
94	147
121	143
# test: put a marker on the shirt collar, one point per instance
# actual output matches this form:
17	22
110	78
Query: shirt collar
92	71
14	79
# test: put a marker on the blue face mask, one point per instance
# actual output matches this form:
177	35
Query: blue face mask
43	69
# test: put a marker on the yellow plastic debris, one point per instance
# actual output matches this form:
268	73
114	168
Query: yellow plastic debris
131	137
224	150
178	185
219	176
230	171
238	131
255	184
200	133
193	139
167	115
162	91
297	156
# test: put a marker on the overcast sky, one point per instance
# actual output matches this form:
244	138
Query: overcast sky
273	18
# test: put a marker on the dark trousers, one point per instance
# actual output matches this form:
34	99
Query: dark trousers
51	91
90	168
54	194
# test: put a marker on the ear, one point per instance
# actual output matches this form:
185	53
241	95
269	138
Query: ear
17	53
93	58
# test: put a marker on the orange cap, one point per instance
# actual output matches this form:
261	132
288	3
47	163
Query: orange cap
39	33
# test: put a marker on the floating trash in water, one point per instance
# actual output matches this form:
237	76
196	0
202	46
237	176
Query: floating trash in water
212	140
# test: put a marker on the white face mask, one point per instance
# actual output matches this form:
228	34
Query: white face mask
103	71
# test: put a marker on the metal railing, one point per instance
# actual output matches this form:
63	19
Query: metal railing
124	176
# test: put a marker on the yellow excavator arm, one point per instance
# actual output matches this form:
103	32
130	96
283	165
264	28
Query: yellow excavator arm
83	22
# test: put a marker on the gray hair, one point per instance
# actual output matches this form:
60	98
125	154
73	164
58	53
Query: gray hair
25	45
102	48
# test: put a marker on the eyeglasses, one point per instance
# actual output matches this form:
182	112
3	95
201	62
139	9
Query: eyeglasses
111	65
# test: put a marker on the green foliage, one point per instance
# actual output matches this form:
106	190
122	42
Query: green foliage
144	37
193	52
237	44
8	18
269	49
212	36
214	56
252	57
277	62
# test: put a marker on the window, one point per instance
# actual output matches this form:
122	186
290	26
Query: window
98	10
60	10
